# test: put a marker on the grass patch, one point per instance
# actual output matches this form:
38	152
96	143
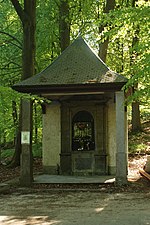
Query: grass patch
7	154
37	150
139	143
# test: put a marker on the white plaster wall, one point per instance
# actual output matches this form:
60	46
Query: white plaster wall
111	136
51	135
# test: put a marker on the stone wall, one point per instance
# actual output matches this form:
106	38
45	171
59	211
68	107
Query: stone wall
51	139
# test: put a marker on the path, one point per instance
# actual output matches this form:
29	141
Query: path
82	208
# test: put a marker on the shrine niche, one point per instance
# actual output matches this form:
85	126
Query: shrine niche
84	126
83	132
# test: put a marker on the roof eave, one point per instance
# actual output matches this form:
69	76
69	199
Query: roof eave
69	88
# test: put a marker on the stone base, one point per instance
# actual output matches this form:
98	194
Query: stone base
111	170
26	181
121	168
52	170
88	163
65	164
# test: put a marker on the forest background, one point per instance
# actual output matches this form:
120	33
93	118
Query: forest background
118	30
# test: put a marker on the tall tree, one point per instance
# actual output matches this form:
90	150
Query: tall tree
136	122
103	46
64	24
27	15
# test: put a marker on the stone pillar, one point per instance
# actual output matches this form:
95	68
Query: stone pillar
111	136
52	138
26	176
121	140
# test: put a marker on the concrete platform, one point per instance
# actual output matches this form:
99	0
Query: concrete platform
60	179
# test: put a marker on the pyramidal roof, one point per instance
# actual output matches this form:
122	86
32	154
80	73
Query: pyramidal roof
77	65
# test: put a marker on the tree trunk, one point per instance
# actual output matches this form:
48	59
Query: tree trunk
136	122
35	124
3	132
28	54
15	117
109	5
27	16
16	157
14	113
64	25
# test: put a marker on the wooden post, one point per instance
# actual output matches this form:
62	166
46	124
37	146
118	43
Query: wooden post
121	140
26	176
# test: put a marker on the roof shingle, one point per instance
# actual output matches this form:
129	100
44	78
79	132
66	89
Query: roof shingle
78	64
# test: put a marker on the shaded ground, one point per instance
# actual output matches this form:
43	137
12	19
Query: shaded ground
80	208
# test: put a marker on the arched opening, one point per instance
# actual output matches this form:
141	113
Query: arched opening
83	132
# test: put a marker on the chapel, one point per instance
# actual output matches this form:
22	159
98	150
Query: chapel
85	121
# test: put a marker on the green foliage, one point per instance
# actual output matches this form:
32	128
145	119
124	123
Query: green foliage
145	112
138	143
132	58
10	45
7	154
37	150
7	126
47	33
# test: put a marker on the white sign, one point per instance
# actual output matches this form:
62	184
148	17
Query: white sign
25	137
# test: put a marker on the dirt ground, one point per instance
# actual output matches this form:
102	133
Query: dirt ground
68	205
75	208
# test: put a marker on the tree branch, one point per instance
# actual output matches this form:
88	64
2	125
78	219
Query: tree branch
14	38
8	64
10	42
19	10
15	45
